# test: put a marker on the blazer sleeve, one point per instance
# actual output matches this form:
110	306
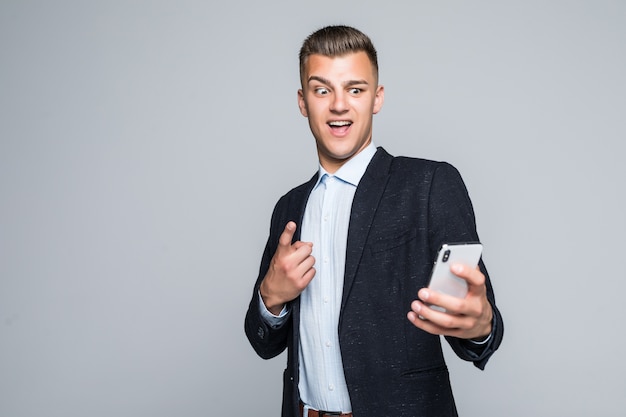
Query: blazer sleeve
266	340
451	219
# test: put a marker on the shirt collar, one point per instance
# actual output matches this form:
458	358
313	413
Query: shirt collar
353	170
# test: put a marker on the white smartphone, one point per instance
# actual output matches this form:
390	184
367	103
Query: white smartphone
442	279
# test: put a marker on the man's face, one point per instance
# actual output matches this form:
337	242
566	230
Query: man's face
339	96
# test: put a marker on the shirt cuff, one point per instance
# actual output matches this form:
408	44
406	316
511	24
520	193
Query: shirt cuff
481	342
487	339
272	319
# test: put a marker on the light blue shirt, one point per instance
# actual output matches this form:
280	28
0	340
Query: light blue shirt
326	218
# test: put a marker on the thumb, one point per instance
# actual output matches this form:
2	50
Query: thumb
287	235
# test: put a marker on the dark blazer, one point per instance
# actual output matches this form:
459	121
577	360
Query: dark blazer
403	210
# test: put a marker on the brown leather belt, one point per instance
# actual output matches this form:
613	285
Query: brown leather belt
316	413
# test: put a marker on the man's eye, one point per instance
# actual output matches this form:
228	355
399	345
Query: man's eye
321	91
354	91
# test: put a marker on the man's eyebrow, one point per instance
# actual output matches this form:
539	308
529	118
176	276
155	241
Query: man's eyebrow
318	78
348	83
354	82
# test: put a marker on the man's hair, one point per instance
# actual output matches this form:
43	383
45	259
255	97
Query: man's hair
336	41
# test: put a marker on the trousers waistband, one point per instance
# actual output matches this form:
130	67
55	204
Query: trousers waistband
321	413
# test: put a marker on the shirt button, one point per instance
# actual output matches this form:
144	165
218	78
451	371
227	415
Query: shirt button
328	343
331	387
325	300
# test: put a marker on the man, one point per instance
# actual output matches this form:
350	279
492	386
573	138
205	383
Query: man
343	275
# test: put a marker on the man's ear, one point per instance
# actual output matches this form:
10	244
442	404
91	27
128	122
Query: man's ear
302	104
379	98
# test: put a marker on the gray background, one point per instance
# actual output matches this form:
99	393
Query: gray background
144	144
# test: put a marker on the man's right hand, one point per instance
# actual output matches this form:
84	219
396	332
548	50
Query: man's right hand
290	271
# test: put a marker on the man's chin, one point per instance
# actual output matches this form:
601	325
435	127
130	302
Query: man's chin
331	162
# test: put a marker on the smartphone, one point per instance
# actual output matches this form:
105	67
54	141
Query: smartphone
444	280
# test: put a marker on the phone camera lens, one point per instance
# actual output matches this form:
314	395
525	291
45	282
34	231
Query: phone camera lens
446	255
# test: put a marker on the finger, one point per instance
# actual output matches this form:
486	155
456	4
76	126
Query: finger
303	247
473	276
297	245
432	328
303	273
450	303
422	321
303	258
414	318
287	235
437	321
308	276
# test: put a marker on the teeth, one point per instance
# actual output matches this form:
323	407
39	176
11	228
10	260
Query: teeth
340	123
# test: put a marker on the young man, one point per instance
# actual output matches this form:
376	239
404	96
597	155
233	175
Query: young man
343	275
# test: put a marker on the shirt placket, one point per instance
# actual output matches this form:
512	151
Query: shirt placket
329	281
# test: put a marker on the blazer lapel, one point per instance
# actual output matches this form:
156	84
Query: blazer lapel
364	206
301	197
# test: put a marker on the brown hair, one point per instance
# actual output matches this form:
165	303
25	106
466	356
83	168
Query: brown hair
334	41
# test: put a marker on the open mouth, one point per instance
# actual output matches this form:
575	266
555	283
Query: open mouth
340	126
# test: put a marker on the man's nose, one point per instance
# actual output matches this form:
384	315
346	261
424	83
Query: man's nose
339	103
